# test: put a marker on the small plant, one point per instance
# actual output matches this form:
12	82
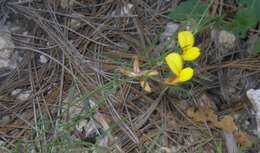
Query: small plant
247	17
141	75
175	62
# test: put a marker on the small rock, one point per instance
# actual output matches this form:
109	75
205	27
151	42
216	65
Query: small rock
254	97
7	59
170	30
43	59
16	92
23	96
226	39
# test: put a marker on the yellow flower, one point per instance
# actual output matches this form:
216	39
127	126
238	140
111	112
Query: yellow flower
175	63
186	41
141	74
191	54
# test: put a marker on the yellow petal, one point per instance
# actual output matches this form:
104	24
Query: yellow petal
191	54
185	74
145	85
186	39
175	63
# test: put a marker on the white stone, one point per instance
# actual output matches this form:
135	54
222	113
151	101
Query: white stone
24	95
16	92
226	39
254	97
6	49
170	29
43	59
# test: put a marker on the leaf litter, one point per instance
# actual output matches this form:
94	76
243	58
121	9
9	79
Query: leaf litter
85	44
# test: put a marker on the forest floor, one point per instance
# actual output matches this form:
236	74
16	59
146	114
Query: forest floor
72	76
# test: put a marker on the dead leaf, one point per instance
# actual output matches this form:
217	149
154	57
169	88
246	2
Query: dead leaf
243	139
196	116
202	115
227	124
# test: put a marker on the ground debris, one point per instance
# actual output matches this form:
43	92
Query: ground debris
223	39
227	124
243	139
169	33
254	97
7	53
66	93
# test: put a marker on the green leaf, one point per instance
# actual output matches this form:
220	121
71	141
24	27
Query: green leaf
257	45
246	17
257	9
188	9
244	20
245	3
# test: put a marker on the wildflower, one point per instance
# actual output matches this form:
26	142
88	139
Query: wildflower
140	74
186	41
175	63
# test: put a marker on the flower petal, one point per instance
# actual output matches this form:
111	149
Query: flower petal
185	74
191	54
175	63
145	85
186	39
